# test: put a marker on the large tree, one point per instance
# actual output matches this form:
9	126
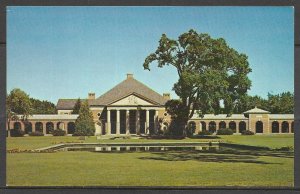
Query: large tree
17	103
210	74
42	107
84	124
281	103
248	102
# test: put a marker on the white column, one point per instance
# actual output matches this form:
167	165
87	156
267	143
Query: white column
127	122
118	122
280	127
44	128
33	126
66	127
200	126
108	123
147	122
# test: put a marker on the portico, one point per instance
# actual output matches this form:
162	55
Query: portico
128	120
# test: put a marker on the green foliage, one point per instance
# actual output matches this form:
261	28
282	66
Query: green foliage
84	125
225	131
209	72
282	103
58	132
77	107
17	102
205	132
17	133
36	133
247	132
42	107
248	102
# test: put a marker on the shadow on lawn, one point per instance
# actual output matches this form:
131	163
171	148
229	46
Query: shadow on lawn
222	155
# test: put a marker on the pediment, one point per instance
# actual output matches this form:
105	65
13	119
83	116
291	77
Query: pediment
132	100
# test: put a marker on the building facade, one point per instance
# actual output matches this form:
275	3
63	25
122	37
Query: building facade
131	108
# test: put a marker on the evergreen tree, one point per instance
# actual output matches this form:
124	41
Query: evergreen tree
77	107
84	124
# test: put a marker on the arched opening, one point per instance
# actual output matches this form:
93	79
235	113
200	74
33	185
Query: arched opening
17	125
292	127
49	127
232	126
222	125
285	127
212	126
28	127
165	126
39	127
60	125
71	127
192	127
203	124
259	127
242	126
275	127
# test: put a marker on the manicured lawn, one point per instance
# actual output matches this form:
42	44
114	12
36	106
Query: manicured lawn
230	168
271	141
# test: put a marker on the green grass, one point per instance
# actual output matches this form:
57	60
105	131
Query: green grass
233	168
271	141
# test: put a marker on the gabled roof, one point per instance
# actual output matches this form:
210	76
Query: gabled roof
127	87
68	104
256	110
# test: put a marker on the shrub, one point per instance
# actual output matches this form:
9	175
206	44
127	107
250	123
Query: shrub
286	148
247	132
36	133
225	131
205	132
189	132
58	132
17	133
84	124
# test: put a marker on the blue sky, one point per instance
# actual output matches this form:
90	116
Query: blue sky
66	52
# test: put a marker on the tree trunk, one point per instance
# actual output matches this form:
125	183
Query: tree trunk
184	130
184	125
